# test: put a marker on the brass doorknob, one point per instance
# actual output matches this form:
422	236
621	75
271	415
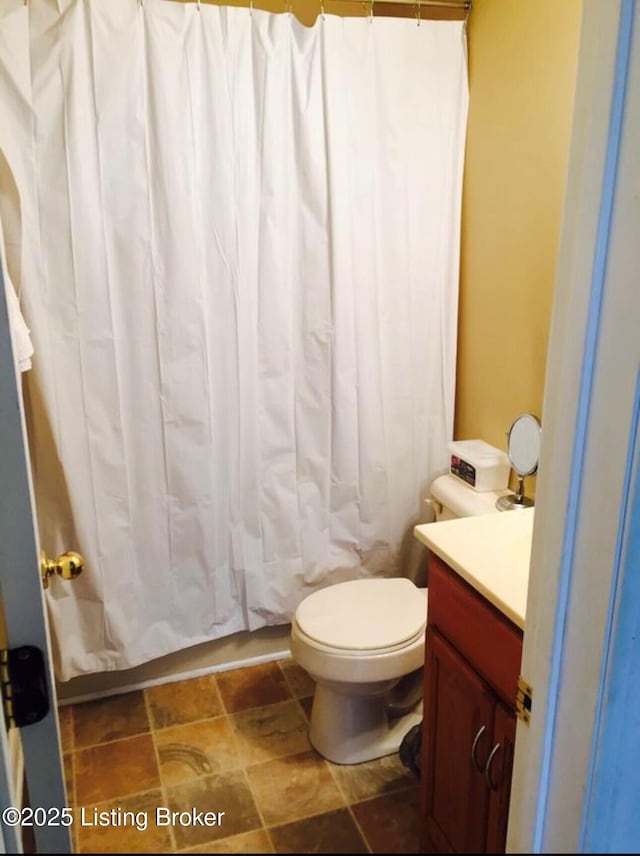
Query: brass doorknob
68	566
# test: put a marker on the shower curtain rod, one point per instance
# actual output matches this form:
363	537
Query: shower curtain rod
431	8
452	10
462	5
445	9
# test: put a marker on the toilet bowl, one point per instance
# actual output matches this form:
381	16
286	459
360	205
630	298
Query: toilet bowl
359	640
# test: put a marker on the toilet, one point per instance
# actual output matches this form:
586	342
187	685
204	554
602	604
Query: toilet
360	640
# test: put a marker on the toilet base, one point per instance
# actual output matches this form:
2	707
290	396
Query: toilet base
350	729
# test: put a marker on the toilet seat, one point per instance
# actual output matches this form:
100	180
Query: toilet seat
352	653
363	617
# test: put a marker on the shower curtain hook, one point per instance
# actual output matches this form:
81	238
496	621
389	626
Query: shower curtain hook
371	12
198	4
322	9
251	8
418	12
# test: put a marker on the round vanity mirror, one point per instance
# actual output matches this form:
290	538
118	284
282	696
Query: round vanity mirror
523	449
523	444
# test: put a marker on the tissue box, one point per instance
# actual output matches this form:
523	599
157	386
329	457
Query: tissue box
481	466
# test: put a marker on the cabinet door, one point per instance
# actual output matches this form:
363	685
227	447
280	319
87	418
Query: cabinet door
498	775
456	740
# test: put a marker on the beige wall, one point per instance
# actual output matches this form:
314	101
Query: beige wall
522	64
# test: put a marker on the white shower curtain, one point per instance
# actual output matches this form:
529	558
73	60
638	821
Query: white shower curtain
243	303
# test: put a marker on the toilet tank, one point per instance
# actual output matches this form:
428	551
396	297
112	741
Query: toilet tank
451	497
448	498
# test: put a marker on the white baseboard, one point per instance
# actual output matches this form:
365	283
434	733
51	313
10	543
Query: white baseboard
233	652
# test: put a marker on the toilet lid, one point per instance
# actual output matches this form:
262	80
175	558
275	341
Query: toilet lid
364	614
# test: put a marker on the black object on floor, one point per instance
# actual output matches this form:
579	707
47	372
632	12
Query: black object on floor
410	749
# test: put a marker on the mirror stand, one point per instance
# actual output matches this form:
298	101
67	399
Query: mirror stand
515	500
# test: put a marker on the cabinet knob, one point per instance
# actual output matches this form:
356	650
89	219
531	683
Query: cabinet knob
487	768
474	760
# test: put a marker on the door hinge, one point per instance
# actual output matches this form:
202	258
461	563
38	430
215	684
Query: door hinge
23	680
523	700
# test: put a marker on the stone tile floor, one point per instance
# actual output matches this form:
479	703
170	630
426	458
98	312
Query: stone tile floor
233	742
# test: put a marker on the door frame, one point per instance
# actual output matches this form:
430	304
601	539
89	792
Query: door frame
583	488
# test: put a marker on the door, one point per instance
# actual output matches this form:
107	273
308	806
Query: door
457	738
25	618
575	781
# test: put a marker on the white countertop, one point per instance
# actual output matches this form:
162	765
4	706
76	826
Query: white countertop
490	551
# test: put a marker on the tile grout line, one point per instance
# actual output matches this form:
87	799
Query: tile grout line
348	804
115	740
255	802
135	794
163	789
359	828
220	696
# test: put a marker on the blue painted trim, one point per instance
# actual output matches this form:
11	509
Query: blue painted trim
583	413
625	589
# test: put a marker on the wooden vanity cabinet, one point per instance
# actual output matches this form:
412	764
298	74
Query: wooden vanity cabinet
472	663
